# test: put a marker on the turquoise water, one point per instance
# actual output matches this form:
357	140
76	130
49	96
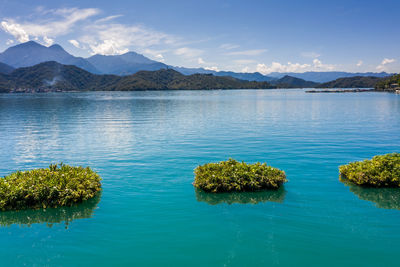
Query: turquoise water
145	145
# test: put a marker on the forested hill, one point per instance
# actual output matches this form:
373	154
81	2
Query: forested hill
53	76
388	83
352	82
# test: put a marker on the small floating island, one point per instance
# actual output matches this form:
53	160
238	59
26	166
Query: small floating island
380	171
234	176
58	185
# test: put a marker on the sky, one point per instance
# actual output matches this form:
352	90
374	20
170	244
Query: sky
244	36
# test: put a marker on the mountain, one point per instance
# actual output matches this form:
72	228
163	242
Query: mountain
124	64
352	82
31	53
256	76
53	76
323	77
293	82
5	69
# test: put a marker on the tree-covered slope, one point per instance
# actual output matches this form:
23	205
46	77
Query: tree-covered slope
352	82
52	76
293	82
5	69
388	83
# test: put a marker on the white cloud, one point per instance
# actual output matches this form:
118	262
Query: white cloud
51	23
200	61
188	53
9	42
229	46
15	30
155	54
359	63
108	47
48	41
319	66
278	67
254	52
385	61
112	39
214	68
74	43
246	69
294	67
102	20
310	54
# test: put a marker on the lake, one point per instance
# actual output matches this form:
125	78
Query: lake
145	146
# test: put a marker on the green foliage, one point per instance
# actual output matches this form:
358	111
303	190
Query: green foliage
52	76
385	84
352	82
380	171
241	197
231	175
58	185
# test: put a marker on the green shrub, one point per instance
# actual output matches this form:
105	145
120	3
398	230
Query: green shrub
58	185
231	175
380	171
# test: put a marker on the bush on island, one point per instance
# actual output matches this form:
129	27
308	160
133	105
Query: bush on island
58	185
231	175
380	171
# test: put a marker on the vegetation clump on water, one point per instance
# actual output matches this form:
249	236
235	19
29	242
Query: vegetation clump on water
231	176
58	185
380	171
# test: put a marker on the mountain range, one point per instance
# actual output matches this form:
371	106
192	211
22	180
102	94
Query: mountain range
31	53
5	69
52	76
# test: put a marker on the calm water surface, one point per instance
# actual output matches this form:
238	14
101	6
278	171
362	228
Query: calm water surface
145	145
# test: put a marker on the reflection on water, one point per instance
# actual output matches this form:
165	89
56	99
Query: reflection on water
385	198
50	216
241	197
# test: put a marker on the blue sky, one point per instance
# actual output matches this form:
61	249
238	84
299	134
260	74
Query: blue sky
264	36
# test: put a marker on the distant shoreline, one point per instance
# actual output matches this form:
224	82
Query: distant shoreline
358	90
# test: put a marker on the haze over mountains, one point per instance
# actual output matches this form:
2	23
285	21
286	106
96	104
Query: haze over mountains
31	53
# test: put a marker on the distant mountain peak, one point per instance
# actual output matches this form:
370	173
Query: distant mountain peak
57	47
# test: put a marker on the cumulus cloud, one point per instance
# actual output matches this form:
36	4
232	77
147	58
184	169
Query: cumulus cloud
48	41
52	23
254	52
155	54
359	63
384	63
15	30
317	65
108	47
112	39
9	42
200	61
246	69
